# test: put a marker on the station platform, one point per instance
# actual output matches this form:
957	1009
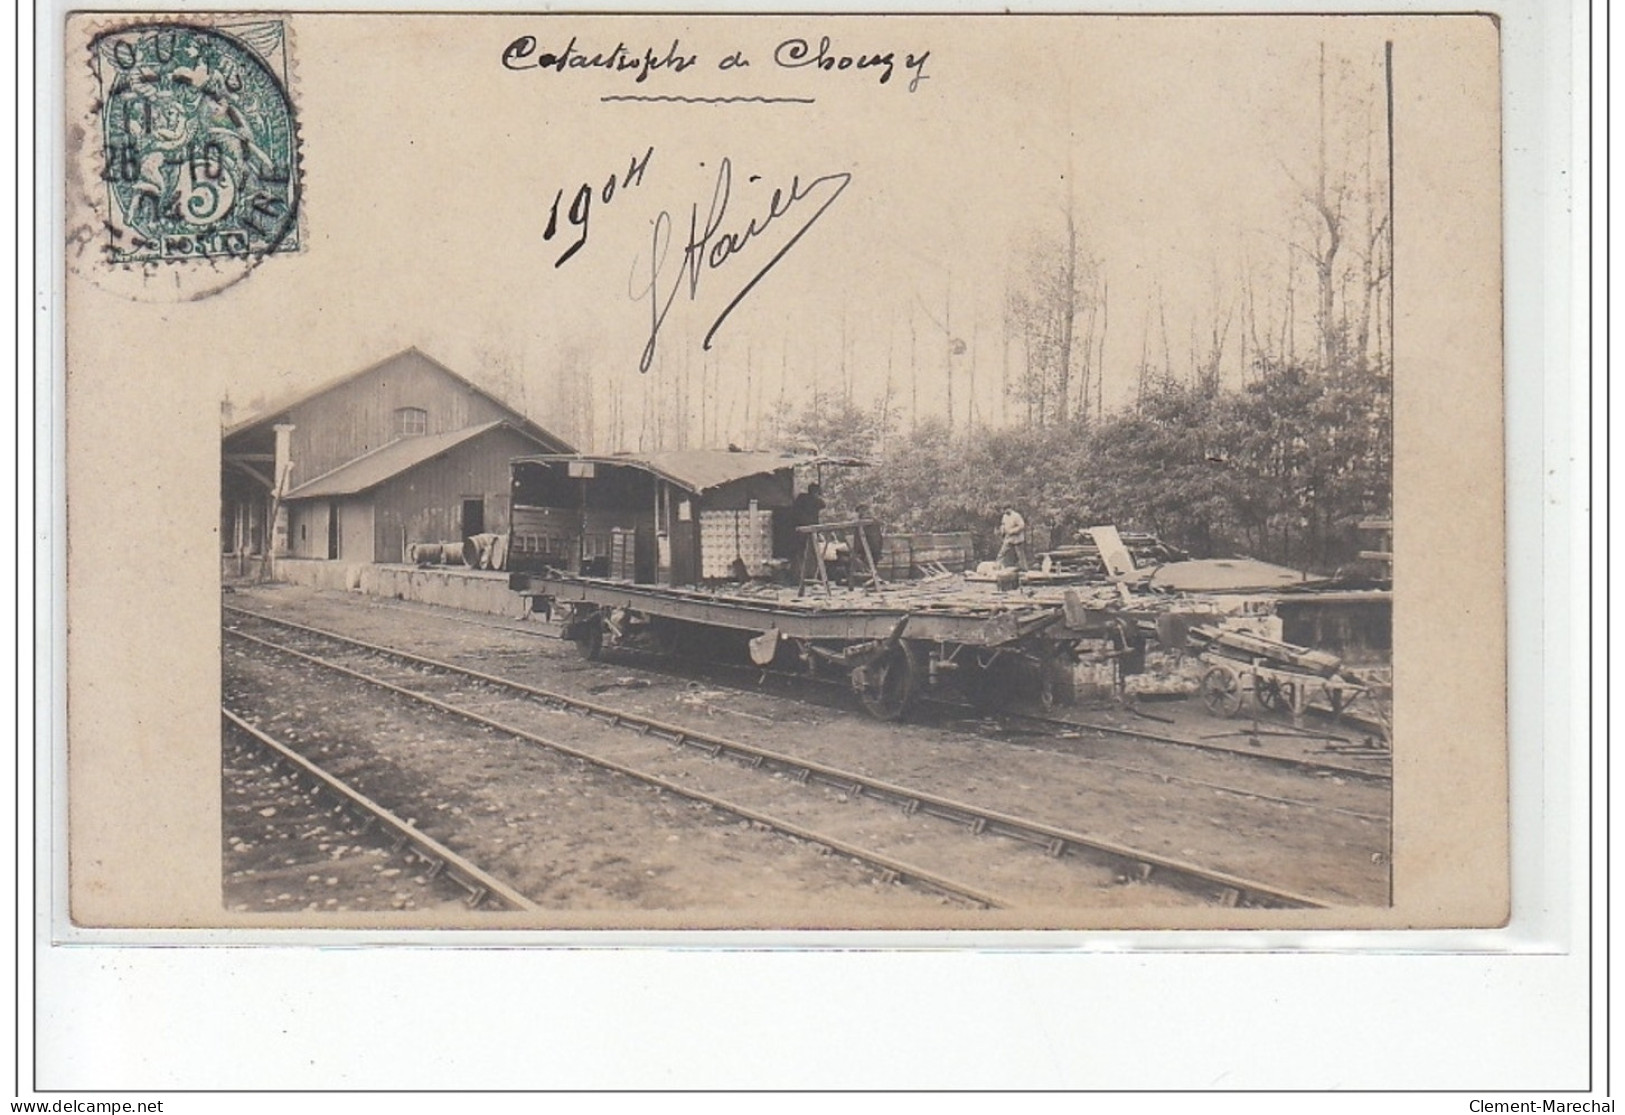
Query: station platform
450	586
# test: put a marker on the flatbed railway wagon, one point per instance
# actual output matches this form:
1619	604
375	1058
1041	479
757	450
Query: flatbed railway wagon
725	563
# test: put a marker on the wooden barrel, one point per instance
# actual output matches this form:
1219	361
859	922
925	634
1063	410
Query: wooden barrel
451	554
499	552
477	551
424	553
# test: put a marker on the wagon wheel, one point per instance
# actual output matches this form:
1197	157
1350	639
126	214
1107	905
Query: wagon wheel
891	682
1267	692
588	636
1221	692
1274	694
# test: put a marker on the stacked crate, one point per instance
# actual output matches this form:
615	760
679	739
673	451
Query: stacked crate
727	535
623	554
907	555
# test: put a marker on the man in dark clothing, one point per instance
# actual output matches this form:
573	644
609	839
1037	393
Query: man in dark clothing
805	511
808	506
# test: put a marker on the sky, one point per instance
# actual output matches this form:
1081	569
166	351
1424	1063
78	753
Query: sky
430	171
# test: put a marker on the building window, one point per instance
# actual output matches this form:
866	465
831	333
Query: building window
411	421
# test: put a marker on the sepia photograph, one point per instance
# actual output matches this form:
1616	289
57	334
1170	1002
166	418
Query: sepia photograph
794	473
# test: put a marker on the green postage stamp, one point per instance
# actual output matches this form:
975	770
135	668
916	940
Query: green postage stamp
199	142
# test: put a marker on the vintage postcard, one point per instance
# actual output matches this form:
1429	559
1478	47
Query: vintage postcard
787	472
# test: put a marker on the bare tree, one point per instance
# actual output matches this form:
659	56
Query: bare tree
1100	361
1345	215
1053	290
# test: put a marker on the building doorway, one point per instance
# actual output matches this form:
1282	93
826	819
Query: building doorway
473	517
332	532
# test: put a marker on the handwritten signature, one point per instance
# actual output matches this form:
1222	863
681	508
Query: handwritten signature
710	249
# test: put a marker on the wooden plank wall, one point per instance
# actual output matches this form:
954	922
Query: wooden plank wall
425	504
359	416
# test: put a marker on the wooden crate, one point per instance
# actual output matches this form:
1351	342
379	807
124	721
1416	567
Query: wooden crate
622	554
726	536
906	555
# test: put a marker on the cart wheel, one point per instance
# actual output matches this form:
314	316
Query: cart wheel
891	683
1267	692
588	636
1221	692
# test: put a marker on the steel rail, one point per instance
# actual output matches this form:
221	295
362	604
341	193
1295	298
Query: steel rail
1220	787
1259	756
892	869
480	884
1313	766
1227	889
592	709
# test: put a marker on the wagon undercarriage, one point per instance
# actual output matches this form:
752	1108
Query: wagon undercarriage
892	657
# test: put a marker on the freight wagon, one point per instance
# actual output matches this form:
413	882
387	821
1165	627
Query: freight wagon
679	550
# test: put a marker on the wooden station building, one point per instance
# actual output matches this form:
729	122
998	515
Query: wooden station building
401	452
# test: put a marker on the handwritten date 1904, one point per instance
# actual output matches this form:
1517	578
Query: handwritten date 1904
580	210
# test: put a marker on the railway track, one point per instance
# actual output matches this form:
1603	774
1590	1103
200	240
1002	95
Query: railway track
889	868
1376	769
1128	862
1058	725
483	888
1291	762
1061	731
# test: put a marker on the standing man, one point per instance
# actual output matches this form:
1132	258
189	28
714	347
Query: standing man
808	507
805	511
1013	538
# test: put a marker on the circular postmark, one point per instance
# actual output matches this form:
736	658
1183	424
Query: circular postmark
187	159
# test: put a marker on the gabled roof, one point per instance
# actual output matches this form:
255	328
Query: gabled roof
698	470
271	413
390	460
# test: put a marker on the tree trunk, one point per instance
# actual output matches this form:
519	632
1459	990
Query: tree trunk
1068	309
